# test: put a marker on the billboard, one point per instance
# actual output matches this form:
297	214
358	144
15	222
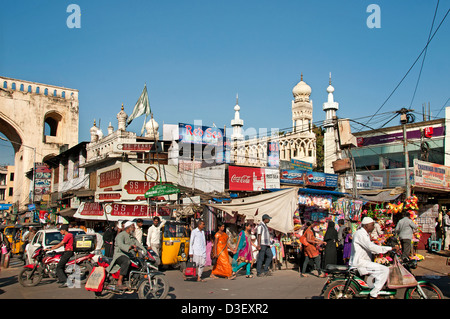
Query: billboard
308	178
252	178
197	134
42	180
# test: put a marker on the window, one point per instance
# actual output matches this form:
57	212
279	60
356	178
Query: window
10	191
56	175
11	177
76	169
51	123
66	172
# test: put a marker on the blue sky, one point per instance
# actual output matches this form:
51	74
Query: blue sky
196	55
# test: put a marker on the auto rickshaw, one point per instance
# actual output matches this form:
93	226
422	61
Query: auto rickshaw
14	234
174	244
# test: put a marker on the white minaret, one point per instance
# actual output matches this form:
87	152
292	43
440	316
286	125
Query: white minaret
302	108
329	139
237	122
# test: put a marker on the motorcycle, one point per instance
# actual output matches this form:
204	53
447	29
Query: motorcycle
45	266
143	278
346	283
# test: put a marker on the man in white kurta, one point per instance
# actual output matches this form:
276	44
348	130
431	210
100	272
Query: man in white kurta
361	256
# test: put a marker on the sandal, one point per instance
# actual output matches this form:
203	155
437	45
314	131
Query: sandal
233	275
249	276
303	275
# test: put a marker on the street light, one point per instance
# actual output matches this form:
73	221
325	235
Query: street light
34	161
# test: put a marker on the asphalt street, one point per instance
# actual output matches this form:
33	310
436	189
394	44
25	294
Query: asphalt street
283	284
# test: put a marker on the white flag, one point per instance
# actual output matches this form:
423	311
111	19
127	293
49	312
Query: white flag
142	107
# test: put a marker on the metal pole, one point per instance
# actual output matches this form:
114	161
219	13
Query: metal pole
405	150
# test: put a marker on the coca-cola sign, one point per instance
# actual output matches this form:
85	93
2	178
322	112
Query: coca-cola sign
252	178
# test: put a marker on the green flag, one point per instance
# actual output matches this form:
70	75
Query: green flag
142	107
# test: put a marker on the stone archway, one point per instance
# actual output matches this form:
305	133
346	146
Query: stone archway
26	108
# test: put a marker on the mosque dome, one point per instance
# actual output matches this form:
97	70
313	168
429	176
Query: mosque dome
301	91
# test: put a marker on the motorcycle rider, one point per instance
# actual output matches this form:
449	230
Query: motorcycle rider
361	256
125	244
68	253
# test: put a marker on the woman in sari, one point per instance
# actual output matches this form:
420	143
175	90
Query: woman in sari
243	253
222	267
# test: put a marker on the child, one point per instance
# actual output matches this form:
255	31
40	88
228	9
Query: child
347	244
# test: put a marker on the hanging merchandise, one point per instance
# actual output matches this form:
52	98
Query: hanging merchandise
323	202
394	209
352	209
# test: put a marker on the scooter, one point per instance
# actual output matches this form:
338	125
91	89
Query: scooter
45	264
346	283
143	278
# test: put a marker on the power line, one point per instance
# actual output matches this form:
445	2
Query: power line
424	55
417	59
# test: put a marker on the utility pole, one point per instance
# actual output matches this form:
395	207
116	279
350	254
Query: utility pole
404	119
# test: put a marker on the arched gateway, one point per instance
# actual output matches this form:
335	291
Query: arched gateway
38	119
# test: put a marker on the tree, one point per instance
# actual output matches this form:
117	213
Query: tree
319	131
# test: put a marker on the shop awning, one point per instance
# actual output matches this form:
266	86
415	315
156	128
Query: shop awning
279	205
67	212
387	195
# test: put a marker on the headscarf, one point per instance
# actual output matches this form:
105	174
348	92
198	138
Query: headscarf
331	232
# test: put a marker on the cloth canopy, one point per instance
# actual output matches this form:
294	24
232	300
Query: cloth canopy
279	205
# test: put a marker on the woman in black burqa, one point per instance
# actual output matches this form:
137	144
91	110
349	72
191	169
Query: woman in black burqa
331	238
108	239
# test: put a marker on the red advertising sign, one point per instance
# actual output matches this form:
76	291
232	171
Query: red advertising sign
138	187
109	196
428	132
92	209
137	147
246	178
123	210
110	178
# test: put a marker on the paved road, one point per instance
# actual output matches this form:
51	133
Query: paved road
284	284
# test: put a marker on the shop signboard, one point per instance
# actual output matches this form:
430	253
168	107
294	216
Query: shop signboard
86	210
431	175
136	147
301	165
398	137
5	206
42	180
197	134
109	178
308	178
161	190
273	154
117	211
364	182
252	178
130	181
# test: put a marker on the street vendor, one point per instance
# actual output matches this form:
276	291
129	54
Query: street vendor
361	256
405	230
